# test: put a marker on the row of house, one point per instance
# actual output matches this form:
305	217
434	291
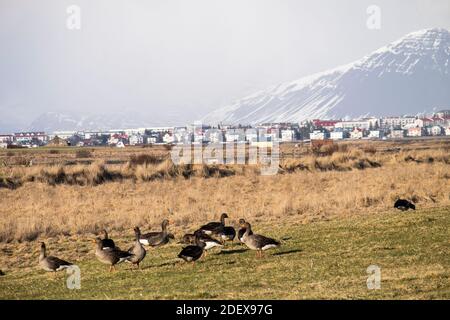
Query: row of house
366	128
381	128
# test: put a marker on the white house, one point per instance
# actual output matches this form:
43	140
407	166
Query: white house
447	131
397	122
135	139
356	134
5	138
375	134
287	135
337	135
396	134
168	137
350	125
414	132
317	135
436	130
3	145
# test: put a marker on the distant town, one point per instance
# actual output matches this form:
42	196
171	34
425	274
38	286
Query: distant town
383	128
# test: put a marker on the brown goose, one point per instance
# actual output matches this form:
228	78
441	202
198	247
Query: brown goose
156	239
258	242
106	242
50	263
110	256
214	228
137	251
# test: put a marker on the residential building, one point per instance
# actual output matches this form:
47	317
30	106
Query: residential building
414	132
6	138
325	124
396	134
287	135
350	125
397	122
436	130
447	131
337	135
357	133
317	135
30	137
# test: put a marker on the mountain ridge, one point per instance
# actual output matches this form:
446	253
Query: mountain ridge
379	82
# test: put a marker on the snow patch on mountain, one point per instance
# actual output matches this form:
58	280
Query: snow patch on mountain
409	76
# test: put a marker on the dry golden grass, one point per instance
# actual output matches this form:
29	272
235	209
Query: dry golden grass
50	200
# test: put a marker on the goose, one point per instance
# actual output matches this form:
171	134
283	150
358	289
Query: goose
242	230
137	251
404	205
227	234
156	239
258	242
192	253
214	227
51	263
207	240
106	242
188	238
110	256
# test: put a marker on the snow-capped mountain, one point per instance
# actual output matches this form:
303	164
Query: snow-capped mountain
53	121
409	76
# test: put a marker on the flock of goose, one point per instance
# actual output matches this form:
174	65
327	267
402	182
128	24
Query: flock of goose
208	236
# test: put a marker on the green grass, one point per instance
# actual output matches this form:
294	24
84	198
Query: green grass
323	260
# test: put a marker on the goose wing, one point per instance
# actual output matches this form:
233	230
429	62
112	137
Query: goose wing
265	242
212	227
108	243
57	262
190	253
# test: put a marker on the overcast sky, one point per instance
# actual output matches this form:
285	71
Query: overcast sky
176	60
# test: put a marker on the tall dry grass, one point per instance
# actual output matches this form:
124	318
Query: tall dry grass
81	199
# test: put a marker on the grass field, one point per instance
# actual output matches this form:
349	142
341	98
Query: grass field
320	260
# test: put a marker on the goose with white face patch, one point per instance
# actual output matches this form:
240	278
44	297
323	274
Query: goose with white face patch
51	263
258	242
156	239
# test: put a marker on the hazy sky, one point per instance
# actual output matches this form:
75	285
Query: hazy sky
176	60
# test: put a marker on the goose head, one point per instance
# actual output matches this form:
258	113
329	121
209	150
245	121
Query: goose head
164	224
137	232
223	217
104	233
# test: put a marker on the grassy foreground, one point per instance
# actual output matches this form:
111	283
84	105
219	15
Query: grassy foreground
323	260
